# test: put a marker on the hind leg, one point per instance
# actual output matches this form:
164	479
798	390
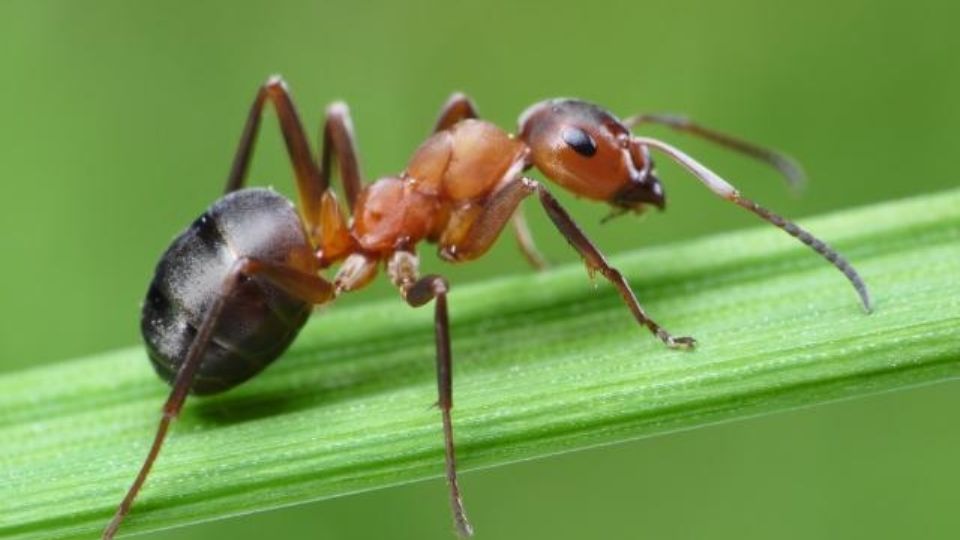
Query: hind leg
308	287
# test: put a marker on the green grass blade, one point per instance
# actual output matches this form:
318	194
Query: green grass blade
544	363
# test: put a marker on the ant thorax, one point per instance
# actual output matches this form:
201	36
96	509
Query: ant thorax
443	189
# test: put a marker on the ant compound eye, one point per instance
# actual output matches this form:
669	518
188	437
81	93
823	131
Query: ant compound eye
579	140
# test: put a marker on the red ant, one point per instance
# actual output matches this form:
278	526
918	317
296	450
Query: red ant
234	289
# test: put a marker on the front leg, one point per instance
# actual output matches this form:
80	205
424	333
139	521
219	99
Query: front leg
596	262
468	241
460	107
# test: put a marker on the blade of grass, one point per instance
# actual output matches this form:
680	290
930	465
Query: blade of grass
544	364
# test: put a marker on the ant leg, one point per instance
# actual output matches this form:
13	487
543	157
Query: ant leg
311	288
726	191
305	286
458	107
339	140
596	262
171	408
356	272
490	222
525	242
403	269
787	166
313	181
310	183
332	236
472	231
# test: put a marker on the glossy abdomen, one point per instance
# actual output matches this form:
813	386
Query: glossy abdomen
259	320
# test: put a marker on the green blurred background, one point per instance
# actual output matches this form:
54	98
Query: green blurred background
120	119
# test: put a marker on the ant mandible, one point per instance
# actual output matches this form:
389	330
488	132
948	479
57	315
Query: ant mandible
233	290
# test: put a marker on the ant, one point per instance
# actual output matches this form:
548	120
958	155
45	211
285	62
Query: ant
233	290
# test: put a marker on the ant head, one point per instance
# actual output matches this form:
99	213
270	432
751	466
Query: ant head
591	153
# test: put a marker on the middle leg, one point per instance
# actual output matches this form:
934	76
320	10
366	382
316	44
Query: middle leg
339	140
309	183
319	207
404	272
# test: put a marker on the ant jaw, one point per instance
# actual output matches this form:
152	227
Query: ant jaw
640	193
615	213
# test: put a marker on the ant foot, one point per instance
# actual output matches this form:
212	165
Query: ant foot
683	342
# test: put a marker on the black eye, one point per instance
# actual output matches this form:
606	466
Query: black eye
579	140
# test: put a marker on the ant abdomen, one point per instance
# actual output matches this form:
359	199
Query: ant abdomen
259	320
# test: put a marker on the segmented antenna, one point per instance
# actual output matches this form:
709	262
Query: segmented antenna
786	165
726	190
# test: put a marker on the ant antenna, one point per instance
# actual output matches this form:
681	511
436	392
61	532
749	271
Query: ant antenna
725	190
787	166
614	213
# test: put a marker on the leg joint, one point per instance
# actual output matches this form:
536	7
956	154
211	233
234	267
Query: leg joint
338	109
426	289
439	284
275	82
